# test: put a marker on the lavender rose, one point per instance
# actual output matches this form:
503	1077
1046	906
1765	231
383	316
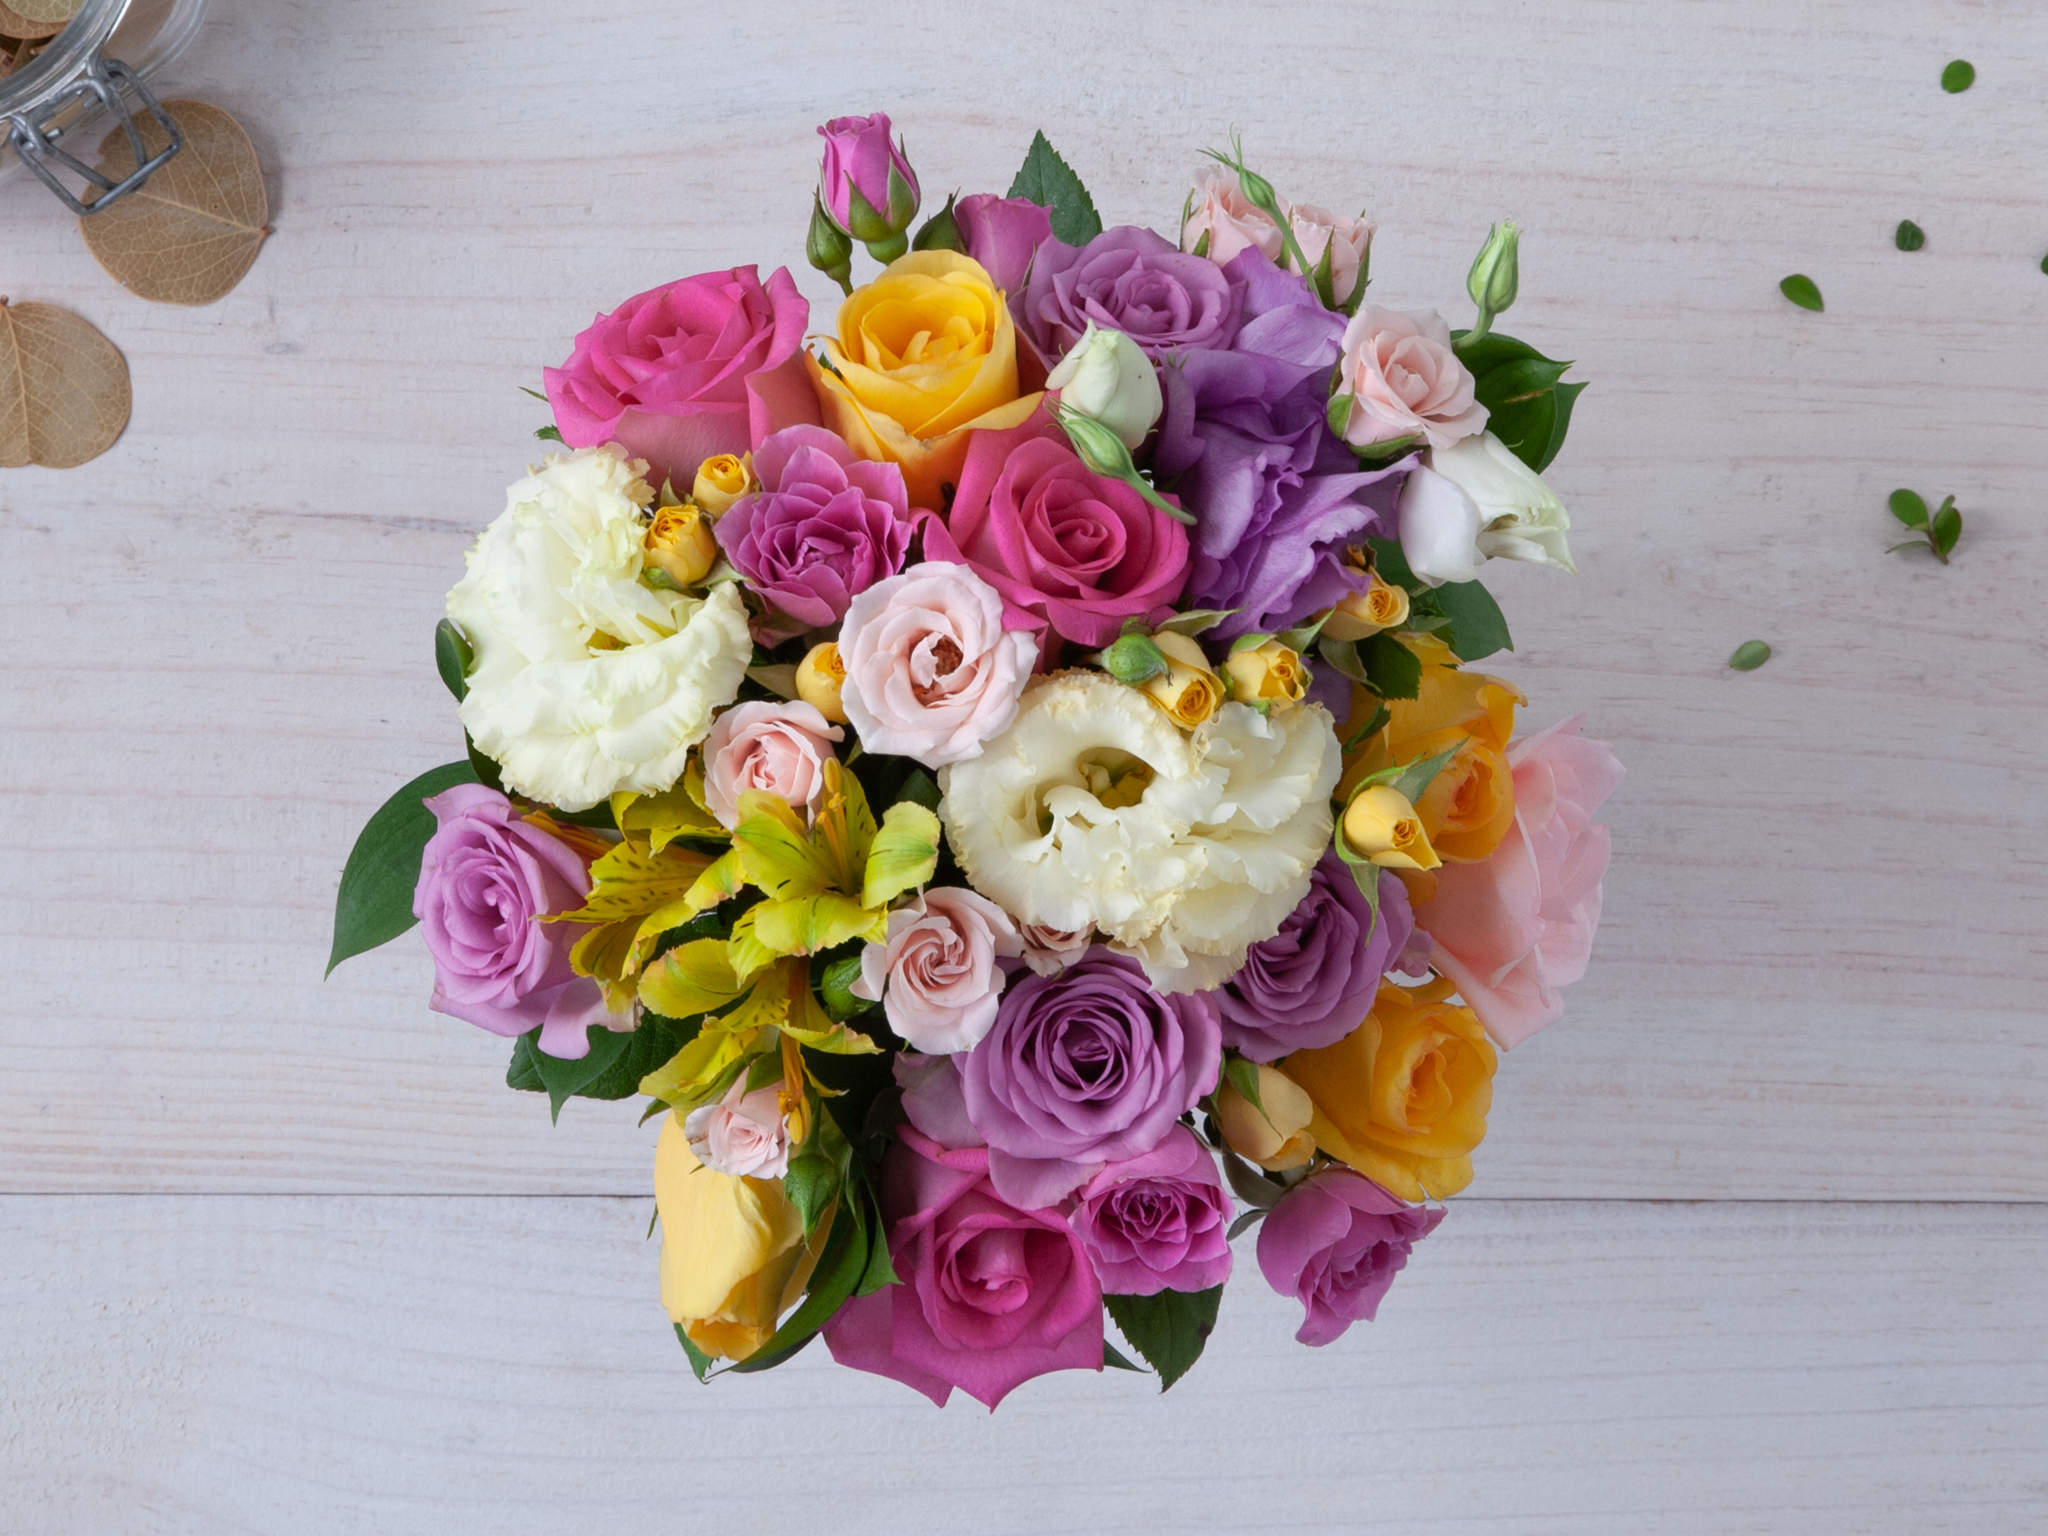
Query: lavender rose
1131	280
1334	1243
1245	444
1086	1067
1313	982
1158	1222
485	877
824	526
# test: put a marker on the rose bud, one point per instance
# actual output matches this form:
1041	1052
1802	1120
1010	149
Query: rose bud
1272	1133
722	480
1381	826
1266	674
866	185
1380	606
680	545
1105	376
1189	689
1491	282
819	678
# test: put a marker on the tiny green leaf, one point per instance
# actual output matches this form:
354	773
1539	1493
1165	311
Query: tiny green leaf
1909	236
835	989
1391	670
1908	508
1801	290
1244	1224
920	787
1478	627
1196	621
1750	655
1947	528
373	904
2044	263
550	434
1957	76
700	1362
1168	1329
452	657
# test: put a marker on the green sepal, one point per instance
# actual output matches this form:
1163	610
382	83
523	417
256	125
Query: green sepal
940	232
1244	1077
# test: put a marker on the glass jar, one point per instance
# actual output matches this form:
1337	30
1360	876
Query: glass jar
92	75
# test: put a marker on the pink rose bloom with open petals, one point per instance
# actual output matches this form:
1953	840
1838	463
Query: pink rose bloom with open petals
1404	380
1003	234
1334	1243
930	671
1219	209
1512	929
1159	1221
705	365
937	973
486	875
991	1295
742	1134
1065	546
781	748
1347	240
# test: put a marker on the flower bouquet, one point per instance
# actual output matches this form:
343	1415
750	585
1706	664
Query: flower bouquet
1004	778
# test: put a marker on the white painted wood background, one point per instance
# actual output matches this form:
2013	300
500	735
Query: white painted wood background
1758	1240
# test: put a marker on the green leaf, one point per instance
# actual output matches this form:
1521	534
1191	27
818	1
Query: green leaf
1947	527
699	1361
1196	621
1169	1329
1391	670
1801	290
1957	76
1343	656
611	1069
1523	379
374	902
920	788
835	989
811	1182
1113	1357
1750	655
1244	1224
453	657
1050	182
1478	627
526	390
1244	1077
1909	236
1250	1185
550	434
1534	429
1908	508
840	1268
1413	781
1390	563
1528	408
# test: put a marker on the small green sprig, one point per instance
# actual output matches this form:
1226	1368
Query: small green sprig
1938	531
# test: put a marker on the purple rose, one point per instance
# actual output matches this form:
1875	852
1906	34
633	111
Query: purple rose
1087	1067
1159	1222
1245	444
1131	280
1334	1243
991	1295
485	877
1003	234
1313	982
823	527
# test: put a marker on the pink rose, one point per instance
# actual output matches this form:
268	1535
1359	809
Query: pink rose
936	973
1003	234
1157	1222
743	1134
930	671
1404	380
860	157
1049	950
1347	240
1334	1243
991	1295
1511	930
1065	546
781	748
706	365
1218	209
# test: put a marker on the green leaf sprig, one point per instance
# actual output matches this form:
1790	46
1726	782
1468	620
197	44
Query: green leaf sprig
1938	531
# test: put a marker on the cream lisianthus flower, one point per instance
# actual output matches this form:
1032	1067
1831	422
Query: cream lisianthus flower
587	681
1093	808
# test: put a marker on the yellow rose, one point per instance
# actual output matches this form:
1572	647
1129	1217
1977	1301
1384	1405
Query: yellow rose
680	544
1274	1133
1188	690
733	1255
1270	673
1380	606
924	353
1403	1098
821	681
1380	825
723	480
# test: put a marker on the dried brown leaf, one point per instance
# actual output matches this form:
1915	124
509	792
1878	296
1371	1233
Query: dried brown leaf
63	388
16	23
189	233
44	11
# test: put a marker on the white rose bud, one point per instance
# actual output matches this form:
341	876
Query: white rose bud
1105	376
1520	518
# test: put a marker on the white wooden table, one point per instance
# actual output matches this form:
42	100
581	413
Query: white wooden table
1758	1239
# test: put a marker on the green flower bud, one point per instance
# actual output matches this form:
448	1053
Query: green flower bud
941	231
1491	282
1133	660
827	248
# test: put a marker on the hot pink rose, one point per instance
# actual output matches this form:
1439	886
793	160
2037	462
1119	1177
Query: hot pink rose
1315	230
991	1295
1218	208
1335	1243
1003	234
937	973
706	365
930	671
1404	380
1159	1221
1065	546
1513	929
860	156
781	748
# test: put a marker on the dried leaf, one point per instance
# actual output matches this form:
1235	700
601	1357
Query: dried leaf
63	388
189	233
36	18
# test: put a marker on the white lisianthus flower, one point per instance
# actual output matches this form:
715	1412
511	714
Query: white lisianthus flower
1105	376
1476	501
1094	809
586	680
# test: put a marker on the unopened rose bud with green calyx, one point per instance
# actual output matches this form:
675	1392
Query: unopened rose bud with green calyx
827	248
680	545
866	184
722	480
1274	1133
1098	446
1491	282
941	232
1105	377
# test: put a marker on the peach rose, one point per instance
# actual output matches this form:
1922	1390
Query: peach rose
1217	208
781	748
1404	380
1347	240
936	974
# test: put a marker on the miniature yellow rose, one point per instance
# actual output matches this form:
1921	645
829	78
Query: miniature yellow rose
1380	606
1380	825
1188	690
723	480
1274	1133
1270	674
1403	1098
820	679
924	354
680	544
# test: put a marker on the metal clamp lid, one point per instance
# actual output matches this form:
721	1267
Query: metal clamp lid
105	85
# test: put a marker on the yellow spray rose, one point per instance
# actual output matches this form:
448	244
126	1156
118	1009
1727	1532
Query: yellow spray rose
924	353
1382	826
733	1255
1274	1133
1403	1098
722	480
1189	689
821	681
1270	673
680	544
1380	606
